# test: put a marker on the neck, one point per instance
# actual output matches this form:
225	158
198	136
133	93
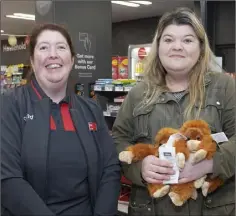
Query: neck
56	94
176	83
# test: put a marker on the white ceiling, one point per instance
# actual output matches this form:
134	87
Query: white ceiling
119	13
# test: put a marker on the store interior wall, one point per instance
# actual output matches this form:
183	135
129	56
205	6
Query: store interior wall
225	33
91	37
142	31
132	32
16	56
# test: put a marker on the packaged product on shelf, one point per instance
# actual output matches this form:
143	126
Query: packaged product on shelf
123	67
119	99
114	65
79	89
112	109
139	68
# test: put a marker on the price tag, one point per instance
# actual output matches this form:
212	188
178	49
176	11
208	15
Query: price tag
168	153
108	88
106	113
220	137
97	88
128	88
119	88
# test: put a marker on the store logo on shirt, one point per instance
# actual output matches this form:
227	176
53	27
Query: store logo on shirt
29	117
92	126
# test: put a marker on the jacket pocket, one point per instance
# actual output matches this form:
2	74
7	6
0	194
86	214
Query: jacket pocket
141	130
221	202
140	204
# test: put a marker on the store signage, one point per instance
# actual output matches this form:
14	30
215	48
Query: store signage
85	58
18	47
142	53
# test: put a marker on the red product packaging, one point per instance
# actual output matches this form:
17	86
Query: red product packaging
114	66
123	67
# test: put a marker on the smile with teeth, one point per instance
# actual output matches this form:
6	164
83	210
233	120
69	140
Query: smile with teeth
52	66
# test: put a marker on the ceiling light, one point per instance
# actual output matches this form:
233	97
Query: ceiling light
142	2
22	16
16	35
2	31
129	4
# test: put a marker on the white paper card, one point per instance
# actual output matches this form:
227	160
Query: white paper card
219	137
174	137
168	153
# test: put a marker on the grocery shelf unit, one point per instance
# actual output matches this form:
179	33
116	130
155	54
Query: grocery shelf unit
105	96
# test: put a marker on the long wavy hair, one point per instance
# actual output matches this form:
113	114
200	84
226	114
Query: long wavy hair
155	73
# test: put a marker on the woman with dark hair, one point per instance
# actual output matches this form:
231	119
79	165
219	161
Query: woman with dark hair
57	156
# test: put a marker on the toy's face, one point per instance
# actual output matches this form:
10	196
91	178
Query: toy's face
194	138
164	139
163	136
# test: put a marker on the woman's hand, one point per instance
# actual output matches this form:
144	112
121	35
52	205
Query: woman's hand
155	170
193	172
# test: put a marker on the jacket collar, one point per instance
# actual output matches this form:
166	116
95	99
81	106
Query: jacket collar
208	78
38	94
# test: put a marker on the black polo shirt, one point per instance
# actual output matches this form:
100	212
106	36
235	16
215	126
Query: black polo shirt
67	182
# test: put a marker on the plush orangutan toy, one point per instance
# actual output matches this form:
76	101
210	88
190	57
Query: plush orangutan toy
197	140
139	151
203	146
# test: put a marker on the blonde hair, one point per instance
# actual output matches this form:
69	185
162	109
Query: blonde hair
155	73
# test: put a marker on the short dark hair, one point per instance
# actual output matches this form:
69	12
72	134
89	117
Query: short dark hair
53	27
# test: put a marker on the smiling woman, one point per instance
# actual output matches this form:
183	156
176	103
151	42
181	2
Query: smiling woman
52	58
59	165
179	84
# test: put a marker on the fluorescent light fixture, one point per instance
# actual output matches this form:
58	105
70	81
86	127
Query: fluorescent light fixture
2	31
17	35
22	16
129	4
142	2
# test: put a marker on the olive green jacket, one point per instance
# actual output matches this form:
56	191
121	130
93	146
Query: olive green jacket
132	124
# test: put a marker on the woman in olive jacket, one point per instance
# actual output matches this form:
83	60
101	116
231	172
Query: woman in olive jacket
179	84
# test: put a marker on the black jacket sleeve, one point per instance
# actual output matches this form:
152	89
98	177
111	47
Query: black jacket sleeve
109	187
17	195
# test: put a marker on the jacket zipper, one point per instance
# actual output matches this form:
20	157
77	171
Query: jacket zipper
46	172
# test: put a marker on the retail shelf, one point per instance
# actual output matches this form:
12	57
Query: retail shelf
123	207
107	88
110	114
118	100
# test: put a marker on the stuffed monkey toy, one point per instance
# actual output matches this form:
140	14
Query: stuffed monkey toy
139	151
202	147
198	141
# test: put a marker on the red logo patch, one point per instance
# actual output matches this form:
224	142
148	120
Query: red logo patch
92	126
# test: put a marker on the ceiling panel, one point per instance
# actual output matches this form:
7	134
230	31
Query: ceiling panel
119	13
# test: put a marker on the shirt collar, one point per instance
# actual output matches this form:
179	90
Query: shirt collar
39	94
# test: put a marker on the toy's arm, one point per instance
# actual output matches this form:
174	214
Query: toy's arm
206	150
209	145
137	152
182	152
181	147
140	151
